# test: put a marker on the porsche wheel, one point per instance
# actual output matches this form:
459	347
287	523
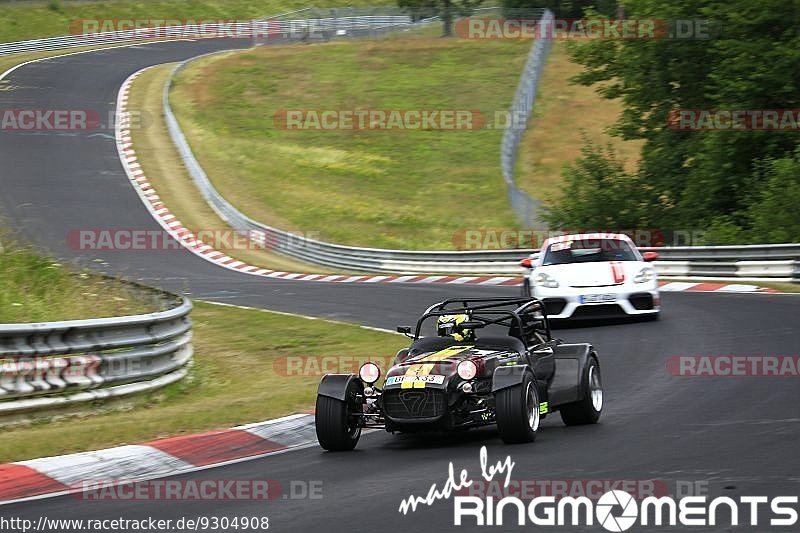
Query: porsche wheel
517	411
337	422
526	287
588	410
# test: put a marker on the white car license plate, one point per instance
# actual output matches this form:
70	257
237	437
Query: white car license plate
597	298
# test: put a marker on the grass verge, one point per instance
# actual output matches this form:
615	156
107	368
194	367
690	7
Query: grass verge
35	288
238	377
404	189
164	169
564	115
783	287
392	188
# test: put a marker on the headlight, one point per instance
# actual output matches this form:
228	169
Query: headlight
545	280
467	369
369	373
646	274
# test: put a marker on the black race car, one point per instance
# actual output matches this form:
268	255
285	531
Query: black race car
512	374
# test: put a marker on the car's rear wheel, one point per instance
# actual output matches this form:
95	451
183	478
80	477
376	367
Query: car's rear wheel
337	422
517	410
587	410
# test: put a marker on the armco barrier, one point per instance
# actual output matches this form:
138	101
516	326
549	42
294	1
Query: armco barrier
526	208
51	364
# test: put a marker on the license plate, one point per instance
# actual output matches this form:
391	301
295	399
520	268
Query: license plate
431	378
597	298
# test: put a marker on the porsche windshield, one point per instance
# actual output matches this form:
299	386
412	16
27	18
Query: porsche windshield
588	251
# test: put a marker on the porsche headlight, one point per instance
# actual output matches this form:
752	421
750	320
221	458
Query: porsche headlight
646	274
545	280
369	373
467	369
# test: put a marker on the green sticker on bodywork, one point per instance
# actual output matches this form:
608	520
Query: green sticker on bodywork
544	407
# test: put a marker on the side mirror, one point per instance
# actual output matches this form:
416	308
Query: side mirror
526	263
405	330
650	256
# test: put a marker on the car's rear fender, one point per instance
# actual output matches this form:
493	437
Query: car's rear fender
571	363
335	385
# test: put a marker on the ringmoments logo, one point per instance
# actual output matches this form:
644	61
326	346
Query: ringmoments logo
605	508
615	510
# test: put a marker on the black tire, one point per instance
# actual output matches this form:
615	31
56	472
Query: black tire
516	423
587	410
337	430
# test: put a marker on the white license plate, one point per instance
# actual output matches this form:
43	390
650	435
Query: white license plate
597	298
431	378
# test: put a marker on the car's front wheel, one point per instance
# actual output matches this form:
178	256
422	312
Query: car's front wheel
338	422
587	410
517	410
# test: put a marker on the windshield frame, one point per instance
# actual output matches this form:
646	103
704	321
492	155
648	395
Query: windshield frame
631	254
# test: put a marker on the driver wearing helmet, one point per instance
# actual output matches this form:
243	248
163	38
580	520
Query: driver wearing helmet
451	326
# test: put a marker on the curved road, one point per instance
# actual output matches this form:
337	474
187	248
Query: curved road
738	435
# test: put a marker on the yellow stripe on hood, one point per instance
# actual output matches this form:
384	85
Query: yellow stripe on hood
425	369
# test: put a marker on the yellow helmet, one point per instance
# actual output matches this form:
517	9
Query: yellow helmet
450	325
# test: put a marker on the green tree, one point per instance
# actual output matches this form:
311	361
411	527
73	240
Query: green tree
563	8
447	10
773	215
746	55
600	195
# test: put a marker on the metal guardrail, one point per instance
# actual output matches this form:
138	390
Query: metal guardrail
51	364
245	29
526	208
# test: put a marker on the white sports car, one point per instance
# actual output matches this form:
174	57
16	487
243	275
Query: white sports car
592	276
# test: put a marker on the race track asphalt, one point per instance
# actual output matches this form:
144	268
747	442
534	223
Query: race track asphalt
738	435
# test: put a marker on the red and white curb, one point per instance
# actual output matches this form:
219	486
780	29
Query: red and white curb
685	286
189	240
70	474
